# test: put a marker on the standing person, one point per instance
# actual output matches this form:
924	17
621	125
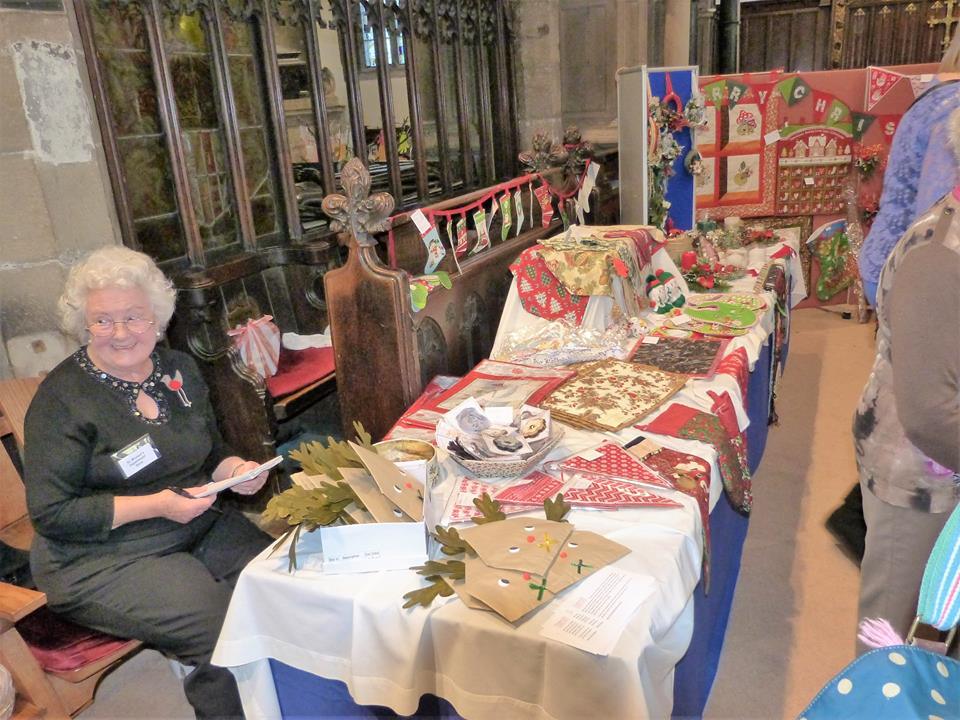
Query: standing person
118	437
907	424
920	168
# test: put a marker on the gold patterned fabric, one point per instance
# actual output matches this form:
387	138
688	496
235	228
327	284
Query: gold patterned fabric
611	394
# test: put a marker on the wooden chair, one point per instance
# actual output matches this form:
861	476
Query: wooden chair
41	692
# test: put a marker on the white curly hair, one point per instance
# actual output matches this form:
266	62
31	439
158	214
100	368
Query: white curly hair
114	266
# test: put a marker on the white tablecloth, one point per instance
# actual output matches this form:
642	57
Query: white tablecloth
352	627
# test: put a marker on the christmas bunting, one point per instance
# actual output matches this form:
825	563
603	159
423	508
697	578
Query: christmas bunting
837	113
879	83
793	89
715	91
462	235
518	204
888	125
735	92
483	236
431	239
821	101
861	123
762	93
507	216
546	204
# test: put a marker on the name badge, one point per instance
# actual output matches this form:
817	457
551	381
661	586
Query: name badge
136	456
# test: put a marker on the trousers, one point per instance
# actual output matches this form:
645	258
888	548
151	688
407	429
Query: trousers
898	543
176	603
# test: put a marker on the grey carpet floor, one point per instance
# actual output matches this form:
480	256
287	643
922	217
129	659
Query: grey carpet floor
794	617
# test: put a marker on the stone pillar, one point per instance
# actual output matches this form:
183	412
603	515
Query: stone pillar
537	52
55	197
729	36
676	45
706	55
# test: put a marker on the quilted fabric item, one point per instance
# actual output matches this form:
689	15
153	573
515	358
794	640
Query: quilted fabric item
682	355
541	293
686	422
691	476
611	394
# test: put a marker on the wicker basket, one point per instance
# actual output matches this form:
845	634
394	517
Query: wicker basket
510	468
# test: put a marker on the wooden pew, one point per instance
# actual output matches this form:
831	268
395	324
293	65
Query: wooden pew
386	352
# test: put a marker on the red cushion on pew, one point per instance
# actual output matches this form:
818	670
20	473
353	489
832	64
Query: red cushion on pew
60	646
298	368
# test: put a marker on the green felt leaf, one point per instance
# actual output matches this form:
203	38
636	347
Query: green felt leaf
451	543
454	568
363	437
557	508
490	508
438	587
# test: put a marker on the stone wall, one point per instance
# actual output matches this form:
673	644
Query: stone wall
55	198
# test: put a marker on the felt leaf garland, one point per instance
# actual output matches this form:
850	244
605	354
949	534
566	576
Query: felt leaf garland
490	508
438	587
451	543
556	509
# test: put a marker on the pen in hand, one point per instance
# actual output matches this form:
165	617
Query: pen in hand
183	493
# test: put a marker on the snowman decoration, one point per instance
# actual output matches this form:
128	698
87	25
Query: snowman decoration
664	292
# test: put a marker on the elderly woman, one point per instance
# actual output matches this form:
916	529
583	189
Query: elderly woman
118	438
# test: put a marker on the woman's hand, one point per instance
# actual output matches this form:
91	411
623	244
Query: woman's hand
250	486
183	509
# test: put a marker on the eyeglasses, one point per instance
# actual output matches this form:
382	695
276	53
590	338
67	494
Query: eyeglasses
105	327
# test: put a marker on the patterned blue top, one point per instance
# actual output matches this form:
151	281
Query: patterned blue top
915	178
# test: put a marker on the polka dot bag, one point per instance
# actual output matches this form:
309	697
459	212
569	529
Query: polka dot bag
903	681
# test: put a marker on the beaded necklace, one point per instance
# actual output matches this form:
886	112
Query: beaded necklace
129	390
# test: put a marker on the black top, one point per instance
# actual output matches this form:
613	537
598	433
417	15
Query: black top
79	417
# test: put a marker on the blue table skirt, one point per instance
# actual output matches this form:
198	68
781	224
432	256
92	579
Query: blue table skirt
303	695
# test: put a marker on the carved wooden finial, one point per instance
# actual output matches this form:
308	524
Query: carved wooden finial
358	212
546	153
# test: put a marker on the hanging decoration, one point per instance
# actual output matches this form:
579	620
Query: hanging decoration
813	163
879	83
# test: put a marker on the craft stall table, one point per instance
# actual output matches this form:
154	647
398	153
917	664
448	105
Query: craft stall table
310	644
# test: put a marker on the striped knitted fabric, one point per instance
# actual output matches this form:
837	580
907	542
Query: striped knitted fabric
939	603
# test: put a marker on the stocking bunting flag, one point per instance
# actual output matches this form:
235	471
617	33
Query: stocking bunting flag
837	113
494	207
583	195
735	92
453	246
563	215
761	94
821	101
546	204
861	123
518	204
431	239
879	83
483	235
888	125
715	91
793	89
461	236
507	216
